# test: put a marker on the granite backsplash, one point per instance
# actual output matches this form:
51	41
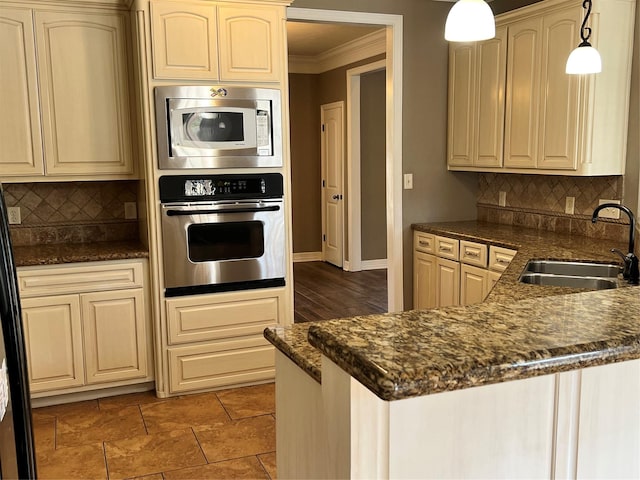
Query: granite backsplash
538	201
72	212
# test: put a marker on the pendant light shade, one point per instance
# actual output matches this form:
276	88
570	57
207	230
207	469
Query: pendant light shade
584	59
470	21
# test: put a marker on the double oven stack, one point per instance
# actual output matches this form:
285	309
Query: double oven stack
220	231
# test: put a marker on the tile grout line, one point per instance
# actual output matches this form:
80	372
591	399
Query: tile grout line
144	423
199	446
104	454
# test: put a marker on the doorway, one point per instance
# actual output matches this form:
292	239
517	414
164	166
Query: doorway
393	107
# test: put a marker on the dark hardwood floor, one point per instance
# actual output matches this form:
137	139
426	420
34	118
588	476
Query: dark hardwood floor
323	292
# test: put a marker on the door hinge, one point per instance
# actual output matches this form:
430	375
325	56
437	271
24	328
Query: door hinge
323	127
322	183
324	237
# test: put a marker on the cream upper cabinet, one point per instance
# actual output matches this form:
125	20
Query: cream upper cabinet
185	40
523	94
217	41
251	42
65	94
554	123
21	152
476	101
83	74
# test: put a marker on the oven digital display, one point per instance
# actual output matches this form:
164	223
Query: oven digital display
202	188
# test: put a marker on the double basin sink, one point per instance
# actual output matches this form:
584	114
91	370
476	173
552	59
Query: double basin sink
558	273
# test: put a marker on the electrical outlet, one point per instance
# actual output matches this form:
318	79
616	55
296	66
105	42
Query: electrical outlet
613	213
502	199
570	205
130	210
14	215
408	181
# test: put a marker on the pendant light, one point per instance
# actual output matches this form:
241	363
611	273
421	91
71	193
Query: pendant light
470	21
584	59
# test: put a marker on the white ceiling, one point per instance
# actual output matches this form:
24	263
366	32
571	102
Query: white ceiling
312	39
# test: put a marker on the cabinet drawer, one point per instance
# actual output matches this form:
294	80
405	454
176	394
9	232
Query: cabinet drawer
473	253
447	248
221	316
424	242
500	258
220	364
62	279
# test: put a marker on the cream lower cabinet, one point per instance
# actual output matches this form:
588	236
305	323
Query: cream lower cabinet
65	95
436	280
217	41
53	338
216	340
451	272
95	333
474	284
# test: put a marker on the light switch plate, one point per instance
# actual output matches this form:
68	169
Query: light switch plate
14	215
408	181
130	210
570	205
502	199
613	213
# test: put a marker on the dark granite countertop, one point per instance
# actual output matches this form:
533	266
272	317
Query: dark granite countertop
513	335
53	254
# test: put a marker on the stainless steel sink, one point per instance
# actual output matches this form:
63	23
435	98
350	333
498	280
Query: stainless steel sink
558	273
580	269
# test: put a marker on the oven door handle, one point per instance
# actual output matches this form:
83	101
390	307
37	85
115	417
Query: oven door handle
174	213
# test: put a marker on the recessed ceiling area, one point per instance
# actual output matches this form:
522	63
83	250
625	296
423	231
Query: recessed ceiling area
316	47
312	39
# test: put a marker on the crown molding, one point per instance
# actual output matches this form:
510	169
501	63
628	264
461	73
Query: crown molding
359	49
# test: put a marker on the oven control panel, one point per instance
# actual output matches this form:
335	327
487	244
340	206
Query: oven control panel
177	188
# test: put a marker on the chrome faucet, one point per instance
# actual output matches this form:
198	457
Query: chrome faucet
630	271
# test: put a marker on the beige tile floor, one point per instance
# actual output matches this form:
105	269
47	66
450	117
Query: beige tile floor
219	435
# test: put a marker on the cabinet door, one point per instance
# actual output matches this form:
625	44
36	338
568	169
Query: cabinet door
493	279
559	116
523	93
83	74
491	64
447	282
251	42
185	43
424	280
21	152
473	284
462	91
114	335
608	437
53	341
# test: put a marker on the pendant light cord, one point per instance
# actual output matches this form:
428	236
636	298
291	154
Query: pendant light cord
585	32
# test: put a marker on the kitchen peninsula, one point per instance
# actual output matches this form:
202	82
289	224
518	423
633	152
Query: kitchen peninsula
536	382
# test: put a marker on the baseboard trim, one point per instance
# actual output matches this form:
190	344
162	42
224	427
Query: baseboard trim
374	264
307	257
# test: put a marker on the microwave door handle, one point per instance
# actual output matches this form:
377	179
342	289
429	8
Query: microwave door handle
173	213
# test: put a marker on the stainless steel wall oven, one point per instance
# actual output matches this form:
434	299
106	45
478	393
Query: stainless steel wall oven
222	232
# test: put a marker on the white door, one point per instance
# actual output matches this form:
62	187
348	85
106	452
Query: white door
332	152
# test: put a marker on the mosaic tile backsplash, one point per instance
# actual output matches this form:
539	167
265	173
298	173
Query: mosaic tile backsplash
71	212
538	201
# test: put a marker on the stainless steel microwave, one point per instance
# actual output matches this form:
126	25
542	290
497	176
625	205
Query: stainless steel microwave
217	127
